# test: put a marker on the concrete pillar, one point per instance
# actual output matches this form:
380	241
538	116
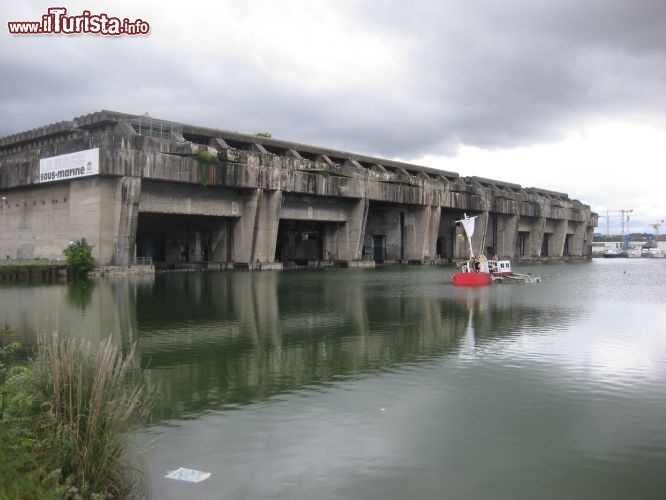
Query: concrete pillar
421	227
589	237
243	228
415	228
221	239
344	240
333	241
556	248
198	254
430	242
507	236
355	228
577	242
267	220
130	195
536	237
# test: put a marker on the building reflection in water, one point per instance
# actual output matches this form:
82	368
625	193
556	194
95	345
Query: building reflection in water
211	341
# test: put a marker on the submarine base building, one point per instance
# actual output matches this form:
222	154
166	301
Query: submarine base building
146	190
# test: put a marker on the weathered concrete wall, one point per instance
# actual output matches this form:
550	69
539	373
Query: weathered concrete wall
507	236
343	241
532	228
40	221
130	188
167	198
36	222
312	208
384	234
229	204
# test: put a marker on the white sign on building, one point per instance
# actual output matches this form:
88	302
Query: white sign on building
69	166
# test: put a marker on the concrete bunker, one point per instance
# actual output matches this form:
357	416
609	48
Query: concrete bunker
149	196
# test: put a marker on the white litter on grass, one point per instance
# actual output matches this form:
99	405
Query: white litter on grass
189	475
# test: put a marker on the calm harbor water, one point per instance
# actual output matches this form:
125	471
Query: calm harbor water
388	383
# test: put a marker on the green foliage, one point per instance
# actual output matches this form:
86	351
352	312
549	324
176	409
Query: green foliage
18	465
5	350
69	419
19	399
79	257
92	404
206	158
267	135
16	462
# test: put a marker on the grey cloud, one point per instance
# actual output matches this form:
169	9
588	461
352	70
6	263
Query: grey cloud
484	73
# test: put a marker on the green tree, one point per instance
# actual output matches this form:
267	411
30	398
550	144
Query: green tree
79	257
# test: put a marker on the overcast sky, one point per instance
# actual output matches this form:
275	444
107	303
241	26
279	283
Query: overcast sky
565	95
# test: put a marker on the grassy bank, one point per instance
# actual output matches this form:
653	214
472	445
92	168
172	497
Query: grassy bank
67	424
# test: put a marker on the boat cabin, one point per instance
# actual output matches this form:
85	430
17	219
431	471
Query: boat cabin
502	267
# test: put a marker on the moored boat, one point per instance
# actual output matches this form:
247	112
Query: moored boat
477	270
655	253
474	271
633	253
614	253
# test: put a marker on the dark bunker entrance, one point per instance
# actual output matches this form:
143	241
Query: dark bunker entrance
173	240
300	241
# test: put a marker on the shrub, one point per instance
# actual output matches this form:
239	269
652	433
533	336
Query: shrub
71	415
206	158
93	406
79	257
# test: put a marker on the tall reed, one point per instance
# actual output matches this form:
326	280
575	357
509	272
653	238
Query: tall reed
93	401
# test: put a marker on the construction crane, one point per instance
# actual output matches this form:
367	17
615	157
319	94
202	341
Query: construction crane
656	230
623	214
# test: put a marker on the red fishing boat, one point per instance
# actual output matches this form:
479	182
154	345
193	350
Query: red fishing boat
472	278
475	271
479	271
